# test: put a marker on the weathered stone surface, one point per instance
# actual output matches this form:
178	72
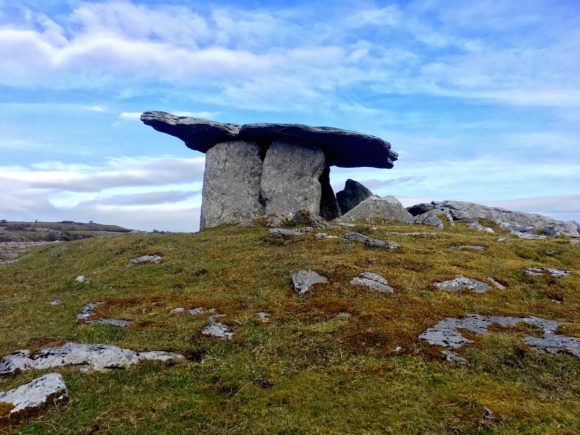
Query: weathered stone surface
539	271
111	322
308	219
429	218
290	178
460	283
46	390
87	310
513	220
352	195
303	280
80	279
452	357
263	316
231	184
86	356
478	227
198	134
277	220
375	208
147	259
370	242
575	242
446	332
374	281
496	283
216	329
468	247
284	233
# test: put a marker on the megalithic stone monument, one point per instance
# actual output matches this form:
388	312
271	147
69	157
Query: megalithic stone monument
259	169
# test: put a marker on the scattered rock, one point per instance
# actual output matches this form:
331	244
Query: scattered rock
575	241
352	195
283	233
454	358
305	218
177	310
343	315
370	242
496	283
277	220
539	271
87	310
81	279
446	332
373	281
263	316
86	356
147	259
412	234
55	302
375	208
430	218
322	236
468	247
46	390
111	322
502	239
488	414
346	224
477	226
303	280
460	283
217	329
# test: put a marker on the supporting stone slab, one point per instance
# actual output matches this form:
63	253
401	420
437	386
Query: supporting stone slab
231	184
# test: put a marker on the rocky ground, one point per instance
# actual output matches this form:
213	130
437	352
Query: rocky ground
350	328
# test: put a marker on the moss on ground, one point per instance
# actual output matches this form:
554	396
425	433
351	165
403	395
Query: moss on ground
304	371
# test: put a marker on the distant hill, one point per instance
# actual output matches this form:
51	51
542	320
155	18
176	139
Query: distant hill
55	231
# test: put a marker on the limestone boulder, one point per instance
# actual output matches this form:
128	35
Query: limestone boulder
352	195
231	184
290	177
376	208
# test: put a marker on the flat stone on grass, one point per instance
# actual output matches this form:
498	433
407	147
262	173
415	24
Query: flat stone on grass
374	281
303	280
370	242
461	283
539	271
147	259
217	329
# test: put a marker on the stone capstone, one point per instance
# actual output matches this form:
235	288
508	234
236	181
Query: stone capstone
352	195
86	356
375	208
290	178
231	184
46	390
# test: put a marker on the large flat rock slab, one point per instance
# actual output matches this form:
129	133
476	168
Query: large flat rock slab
344	148
231	184
291	178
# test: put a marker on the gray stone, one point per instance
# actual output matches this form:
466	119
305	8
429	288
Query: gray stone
86	356
147	259
344	315
263	316
303	280
446	334
198	134
497	284
231	184
370	242
460	283
80	279
412	234
429	218
375	208
111	322
87	310
308	219
46	390
374	281
276	220
217	329
488	414
454	358
477	226
468	247
284	233
290	178
56	302
514	221
352	195
575	241
539	271
177	310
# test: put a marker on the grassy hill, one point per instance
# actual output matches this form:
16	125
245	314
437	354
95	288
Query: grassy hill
53	231
306	370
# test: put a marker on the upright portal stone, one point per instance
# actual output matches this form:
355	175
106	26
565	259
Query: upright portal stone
231	183
291	177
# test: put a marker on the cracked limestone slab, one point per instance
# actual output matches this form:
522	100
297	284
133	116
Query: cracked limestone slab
370	242
303	280
539	271
374	281
147	259
461	283
217	329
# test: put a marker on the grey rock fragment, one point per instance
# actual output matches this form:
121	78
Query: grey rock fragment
469	247
111	322
308	219
86	356
87	310
539	271
147	259
263	316
496	283
460	282
454	358
46	390
370	242
217	329
283	233
177	310
429	218
488	414
290	178
231	184
352	195
374	281
375	208
303	280
477	226
343	315
81	279
575	241
277	220
55	302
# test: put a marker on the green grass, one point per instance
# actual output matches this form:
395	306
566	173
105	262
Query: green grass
325	375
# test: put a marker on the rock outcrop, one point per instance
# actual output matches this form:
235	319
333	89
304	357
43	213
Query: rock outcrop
258	169
352	195
373	208
515	221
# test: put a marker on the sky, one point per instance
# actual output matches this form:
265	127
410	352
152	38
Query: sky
481	99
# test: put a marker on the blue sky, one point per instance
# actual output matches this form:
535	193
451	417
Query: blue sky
480	99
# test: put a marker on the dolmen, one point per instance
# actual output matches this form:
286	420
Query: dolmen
260	169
